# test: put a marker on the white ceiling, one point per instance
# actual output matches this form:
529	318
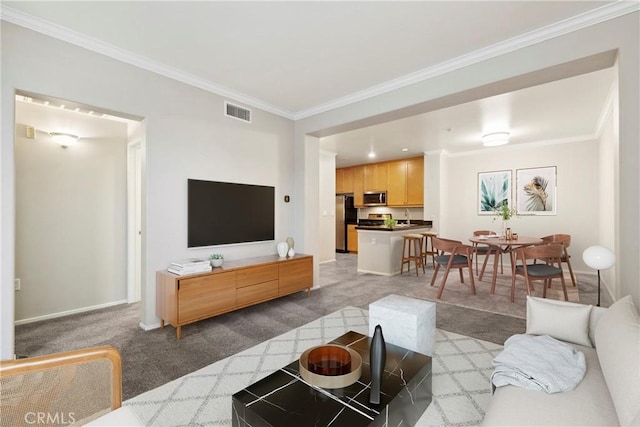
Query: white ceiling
299	58
562	111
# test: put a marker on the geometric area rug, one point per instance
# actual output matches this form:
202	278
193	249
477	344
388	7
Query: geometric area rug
461	370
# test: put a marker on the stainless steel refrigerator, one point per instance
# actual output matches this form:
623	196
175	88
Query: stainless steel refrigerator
345	214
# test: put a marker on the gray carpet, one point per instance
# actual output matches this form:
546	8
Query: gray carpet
152	358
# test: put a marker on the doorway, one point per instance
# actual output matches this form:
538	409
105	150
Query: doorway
72	208
134	221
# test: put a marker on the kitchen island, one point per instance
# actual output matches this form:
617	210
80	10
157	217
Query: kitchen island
380	247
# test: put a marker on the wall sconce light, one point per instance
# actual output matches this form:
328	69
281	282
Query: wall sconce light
495	139
64	139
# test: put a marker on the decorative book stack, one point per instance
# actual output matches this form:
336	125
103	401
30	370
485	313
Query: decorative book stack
189	266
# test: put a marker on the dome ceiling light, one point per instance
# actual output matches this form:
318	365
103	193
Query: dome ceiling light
64	139
495	139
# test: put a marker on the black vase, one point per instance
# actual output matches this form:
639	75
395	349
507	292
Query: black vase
377	360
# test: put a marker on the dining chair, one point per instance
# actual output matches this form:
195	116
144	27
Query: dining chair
484	249
565	239
452	254
77	386
551	253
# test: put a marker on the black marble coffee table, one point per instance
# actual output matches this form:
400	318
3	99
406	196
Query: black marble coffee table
285	399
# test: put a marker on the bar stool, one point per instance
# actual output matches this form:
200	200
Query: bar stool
428	247
409	241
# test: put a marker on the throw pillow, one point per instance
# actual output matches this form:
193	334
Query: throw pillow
558	319
618	341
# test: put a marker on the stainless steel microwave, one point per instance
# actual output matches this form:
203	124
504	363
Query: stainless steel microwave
375	198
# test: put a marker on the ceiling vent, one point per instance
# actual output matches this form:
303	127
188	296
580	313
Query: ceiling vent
237	112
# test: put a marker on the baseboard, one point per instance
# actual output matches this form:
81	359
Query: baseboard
68	312
149	327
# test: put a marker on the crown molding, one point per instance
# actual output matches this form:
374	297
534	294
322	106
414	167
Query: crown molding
78	39
593	17
574	23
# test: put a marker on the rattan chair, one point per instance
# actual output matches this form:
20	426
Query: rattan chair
452	254
73	387
551	253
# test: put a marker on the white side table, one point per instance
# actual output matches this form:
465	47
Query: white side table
406	322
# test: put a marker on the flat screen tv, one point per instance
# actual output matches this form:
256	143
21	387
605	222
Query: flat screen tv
222	212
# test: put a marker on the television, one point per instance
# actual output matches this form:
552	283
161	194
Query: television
223	212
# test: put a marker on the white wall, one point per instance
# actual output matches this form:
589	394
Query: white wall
327	212
620	34
186	137
577	193
607	196
70	213
183	127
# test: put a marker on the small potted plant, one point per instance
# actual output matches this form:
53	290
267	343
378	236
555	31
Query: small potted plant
505	213
388	222
216	260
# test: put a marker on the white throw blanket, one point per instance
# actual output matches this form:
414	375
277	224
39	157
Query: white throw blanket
538	363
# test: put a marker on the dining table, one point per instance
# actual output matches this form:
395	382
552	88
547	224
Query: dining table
501	245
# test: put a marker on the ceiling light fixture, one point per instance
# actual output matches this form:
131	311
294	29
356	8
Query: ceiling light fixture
64	139
372	154
405	149
495	139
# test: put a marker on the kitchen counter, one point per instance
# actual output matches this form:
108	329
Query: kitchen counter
401	227
380	247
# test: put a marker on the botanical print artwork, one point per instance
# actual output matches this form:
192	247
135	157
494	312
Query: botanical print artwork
536	191
494	191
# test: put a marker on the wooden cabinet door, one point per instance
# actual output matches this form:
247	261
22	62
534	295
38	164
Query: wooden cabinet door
295	275
358	186
396	183
375	177
352	238
380	177
347	180
369	177
415	181
339	181
205	296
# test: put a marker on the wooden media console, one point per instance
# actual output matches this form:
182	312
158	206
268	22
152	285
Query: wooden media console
181	300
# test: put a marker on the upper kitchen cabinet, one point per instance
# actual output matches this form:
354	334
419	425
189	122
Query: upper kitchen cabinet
405	182
375	177
358	186
344	180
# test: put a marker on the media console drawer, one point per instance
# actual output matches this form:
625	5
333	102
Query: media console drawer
181	300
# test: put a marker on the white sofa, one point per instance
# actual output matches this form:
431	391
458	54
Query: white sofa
609	393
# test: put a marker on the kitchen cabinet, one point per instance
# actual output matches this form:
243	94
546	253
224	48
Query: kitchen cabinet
352	238
375	177
405	182
347	180
358	186
344	180
339	181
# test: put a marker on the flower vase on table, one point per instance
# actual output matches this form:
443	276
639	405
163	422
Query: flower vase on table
505	227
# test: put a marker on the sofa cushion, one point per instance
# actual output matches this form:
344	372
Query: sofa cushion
618	340
589	404
565	322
